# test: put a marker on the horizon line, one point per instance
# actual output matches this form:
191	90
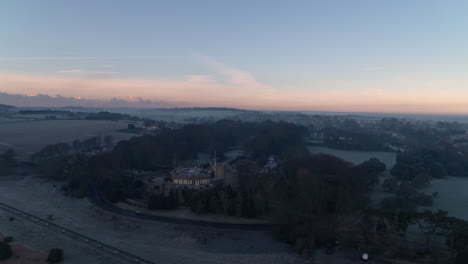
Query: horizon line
252	110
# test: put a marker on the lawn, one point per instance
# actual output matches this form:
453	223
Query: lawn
29	137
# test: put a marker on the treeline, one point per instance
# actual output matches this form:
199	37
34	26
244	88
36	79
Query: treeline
171	147
318	196
7	162
104	115
218	200
204	109
321	199
165	150
353	137
257	193
445	238
349	134
63	148
4	106
425	163
451	128
417	134
396	216
58	161
47	112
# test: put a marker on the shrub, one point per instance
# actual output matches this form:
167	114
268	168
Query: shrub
462	257
5	251
55	255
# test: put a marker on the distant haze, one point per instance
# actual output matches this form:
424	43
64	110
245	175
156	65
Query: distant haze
43	100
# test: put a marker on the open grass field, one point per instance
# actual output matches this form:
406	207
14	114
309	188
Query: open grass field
452	195
179	115
29	137
160	242
31	242
13	120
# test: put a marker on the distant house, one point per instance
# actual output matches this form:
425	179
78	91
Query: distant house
192	177
397	148
231	177
270	165
224	174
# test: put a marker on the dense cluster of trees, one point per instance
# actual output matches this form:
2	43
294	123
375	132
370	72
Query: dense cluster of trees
104	115
55	255
415	133
165	202
316	193
348	133
218	200
162	151
46	112
321	199
353	137
5	250
451	128
315	199
422	164
7	161
61	160
171	147
225	201
406	197
442	235
62	149
5	107
249	200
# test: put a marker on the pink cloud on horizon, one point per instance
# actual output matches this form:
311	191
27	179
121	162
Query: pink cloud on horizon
235	88
199	78
69	71
194	88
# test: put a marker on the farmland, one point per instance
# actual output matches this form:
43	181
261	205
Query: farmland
27	137
159	242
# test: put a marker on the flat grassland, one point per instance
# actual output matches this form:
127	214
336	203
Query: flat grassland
30	136
160	242
31	242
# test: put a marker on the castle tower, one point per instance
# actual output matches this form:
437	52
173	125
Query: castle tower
214	164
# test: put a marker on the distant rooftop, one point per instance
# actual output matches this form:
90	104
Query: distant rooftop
192	172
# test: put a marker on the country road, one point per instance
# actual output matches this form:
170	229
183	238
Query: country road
95	244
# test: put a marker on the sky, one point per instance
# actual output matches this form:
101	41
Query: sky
355	56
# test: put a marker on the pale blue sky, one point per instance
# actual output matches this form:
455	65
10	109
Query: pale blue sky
335	51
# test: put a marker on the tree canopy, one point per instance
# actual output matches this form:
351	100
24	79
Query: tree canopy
5	251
